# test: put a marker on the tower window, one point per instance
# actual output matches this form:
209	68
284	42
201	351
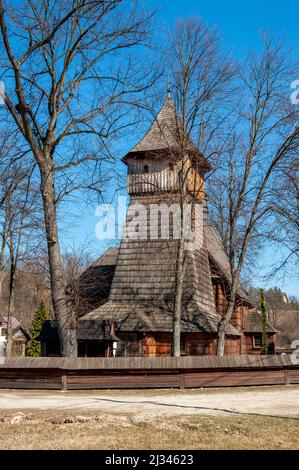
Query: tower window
171	166
146	169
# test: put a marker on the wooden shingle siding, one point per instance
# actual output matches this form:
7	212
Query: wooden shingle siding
253	323
143	287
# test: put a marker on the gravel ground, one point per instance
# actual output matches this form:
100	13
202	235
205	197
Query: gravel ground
269	401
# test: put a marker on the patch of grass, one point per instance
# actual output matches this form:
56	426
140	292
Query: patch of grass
92	430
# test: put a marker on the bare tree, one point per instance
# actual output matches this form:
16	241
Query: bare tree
198	74
283	229
71	82
11	176
21	220
220	194
253	140
266	137
75	264
5	146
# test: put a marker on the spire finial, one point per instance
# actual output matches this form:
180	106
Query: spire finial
168	90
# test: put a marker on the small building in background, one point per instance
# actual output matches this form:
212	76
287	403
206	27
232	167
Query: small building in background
20	336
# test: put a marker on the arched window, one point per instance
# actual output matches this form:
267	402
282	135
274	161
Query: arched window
146	169
171	166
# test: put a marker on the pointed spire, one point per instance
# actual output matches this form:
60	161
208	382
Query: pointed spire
164	133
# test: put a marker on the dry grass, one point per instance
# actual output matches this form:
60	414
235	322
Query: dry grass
70	430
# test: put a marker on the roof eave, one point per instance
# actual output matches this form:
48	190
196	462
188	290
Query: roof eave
160	153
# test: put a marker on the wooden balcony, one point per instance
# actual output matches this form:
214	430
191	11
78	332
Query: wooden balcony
152	182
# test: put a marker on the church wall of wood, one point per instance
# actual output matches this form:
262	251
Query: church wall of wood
159	344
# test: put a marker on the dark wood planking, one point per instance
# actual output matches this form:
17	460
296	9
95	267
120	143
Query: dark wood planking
119	363
161	372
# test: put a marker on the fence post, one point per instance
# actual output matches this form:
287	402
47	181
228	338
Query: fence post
63	381
286	377
182	380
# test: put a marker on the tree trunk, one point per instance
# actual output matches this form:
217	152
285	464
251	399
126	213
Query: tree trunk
222	328
9	335
178	296
265	342
9	331
66	320
229	311
12	271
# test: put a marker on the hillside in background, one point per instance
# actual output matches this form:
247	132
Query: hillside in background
30	288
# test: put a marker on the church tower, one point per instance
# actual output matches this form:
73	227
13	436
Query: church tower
155	162
141	299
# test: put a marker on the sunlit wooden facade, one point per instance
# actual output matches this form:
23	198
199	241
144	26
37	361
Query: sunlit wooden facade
140	302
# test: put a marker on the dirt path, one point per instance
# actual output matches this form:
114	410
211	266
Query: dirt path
269	401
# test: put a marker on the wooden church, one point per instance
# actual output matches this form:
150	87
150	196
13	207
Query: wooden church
133	315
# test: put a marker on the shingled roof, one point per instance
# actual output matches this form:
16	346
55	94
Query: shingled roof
143	317
214	248
16	325
108	258
254	323
165	134
141	295
95	282
86	329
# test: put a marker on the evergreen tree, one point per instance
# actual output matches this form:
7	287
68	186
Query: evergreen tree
40	316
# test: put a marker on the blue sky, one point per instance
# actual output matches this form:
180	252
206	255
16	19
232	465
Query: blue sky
240	24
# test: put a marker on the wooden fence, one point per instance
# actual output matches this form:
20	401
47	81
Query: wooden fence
161	372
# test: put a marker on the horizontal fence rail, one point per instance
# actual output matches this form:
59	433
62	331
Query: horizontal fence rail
160	372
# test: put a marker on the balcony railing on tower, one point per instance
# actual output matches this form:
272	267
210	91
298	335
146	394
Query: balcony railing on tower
152	182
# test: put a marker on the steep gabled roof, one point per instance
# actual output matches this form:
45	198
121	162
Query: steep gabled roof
108	258
165	134
254	323
16	325
95	282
